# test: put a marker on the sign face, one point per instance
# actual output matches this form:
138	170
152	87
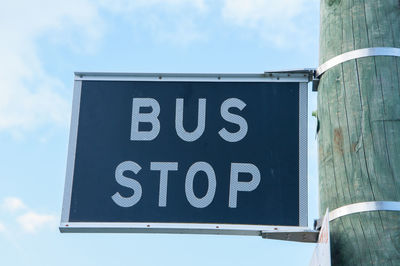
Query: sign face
322	252
195	154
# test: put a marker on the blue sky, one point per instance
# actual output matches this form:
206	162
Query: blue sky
44	42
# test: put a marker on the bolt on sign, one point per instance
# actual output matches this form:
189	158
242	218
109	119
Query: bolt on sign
187	153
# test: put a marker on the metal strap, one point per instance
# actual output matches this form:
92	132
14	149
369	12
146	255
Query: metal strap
360	53
364	207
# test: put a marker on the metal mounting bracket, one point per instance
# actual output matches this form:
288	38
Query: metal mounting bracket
356	54
358	208
306	73
364	207
309	236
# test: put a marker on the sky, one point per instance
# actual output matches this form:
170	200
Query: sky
45	41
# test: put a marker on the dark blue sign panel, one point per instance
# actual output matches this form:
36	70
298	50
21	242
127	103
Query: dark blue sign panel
185	152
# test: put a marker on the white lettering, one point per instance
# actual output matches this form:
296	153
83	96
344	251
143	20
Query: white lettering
201	121
138	117
237	185
236	119
129	183
164	168
212	185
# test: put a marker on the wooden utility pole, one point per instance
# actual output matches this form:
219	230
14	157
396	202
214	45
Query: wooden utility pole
359	136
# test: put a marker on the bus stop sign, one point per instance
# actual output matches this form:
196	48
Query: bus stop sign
186	153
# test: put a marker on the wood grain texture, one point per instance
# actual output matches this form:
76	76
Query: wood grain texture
359	137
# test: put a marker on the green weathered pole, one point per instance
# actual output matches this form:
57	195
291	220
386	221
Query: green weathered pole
359	136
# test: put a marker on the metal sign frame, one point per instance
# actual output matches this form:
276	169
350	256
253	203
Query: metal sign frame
301	77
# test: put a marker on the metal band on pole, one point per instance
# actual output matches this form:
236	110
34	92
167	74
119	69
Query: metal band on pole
360	53
364	207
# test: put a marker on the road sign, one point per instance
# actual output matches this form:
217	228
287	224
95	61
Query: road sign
187	153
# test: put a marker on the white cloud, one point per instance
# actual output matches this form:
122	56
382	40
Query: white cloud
29	96
251	12
29	220
177	31
276	20
32	222
171	21
2	228
13	204
128	5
